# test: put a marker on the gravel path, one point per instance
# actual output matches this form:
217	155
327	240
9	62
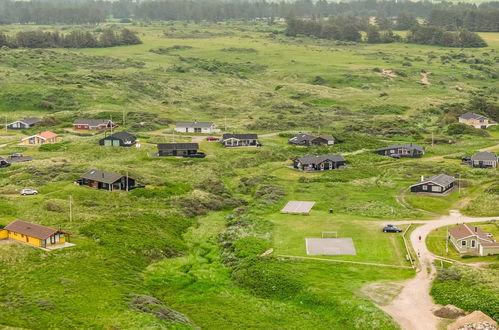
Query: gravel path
412	307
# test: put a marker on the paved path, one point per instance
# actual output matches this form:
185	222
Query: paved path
492	148
412	307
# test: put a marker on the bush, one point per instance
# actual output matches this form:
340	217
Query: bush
463	129
53	147
250	247
268	278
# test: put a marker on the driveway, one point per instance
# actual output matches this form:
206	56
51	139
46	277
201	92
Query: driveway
411	309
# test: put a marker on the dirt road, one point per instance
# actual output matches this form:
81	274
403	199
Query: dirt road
411	309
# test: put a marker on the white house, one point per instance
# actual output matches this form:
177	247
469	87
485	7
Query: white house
195	127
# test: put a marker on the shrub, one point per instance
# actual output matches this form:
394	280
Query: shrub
268	278
462	129
53	147
250	247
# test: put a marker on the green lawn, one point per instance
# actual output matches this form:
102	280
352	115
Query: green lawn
166	241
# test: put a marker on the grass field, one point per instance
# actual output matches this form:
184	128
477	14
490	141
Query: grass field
174	240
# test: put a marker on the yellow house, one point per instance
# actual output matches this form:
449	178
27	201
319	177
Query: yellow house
42	138
33	234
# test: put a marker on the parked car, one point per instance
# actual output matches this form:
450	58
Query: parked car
25	192
196	155
489	235
212	138
17	155
4	163
391	229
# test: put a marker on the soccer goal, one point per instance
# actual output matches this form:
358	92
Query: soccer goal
329	234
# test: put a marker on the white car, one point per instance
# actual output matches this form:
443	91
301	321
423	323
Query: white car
29	192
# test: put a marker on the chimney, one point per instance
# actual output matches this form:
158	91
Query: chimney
103	175
476	228
422	177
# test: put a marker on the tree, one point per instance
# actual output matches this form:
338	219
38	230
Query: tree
108	38
129	37
406	21
373	34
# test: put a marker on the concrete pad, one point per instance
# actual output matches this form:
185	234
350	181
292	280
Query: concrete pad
330	246
297	207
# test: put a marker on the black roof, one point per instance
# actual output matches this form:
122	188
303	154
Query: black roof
440	179
240	136
484	155
410	146
101	176
178	146
194	124
317	159
121	136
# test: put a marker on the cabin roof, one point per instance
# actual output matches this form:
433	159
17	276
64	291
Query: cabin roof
484	155
32	229
411	146
194	124
440	179
178	146
29	120
247	136
91	122
317	159
465	230
101	176
121	136
472	115
47	135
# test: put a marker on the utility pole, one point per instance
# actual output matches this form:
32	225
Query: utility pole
124	115
225	123
70	208
432	139
447	240
459	184
126	180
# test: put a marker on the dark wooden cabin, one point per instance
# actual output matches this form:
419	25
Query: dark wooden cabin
438	184
106	181
312	163
177	149
409	150
120	139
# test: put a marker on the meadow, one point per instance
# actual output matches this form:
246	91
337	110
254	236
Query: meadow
179	244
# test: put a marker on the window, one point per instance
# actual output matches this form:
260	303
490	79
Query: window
463	243
425	187
473	243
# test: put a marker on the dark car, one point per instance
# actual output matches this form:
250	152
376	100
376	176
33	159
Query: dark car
196	155
391	229
4	163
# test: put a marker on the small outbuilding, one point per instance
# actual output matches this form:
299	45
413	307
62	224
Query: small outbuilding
438	184
24	123
303	139
410	150
177	149
312	163
34	234
106	181
119	139
484	159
